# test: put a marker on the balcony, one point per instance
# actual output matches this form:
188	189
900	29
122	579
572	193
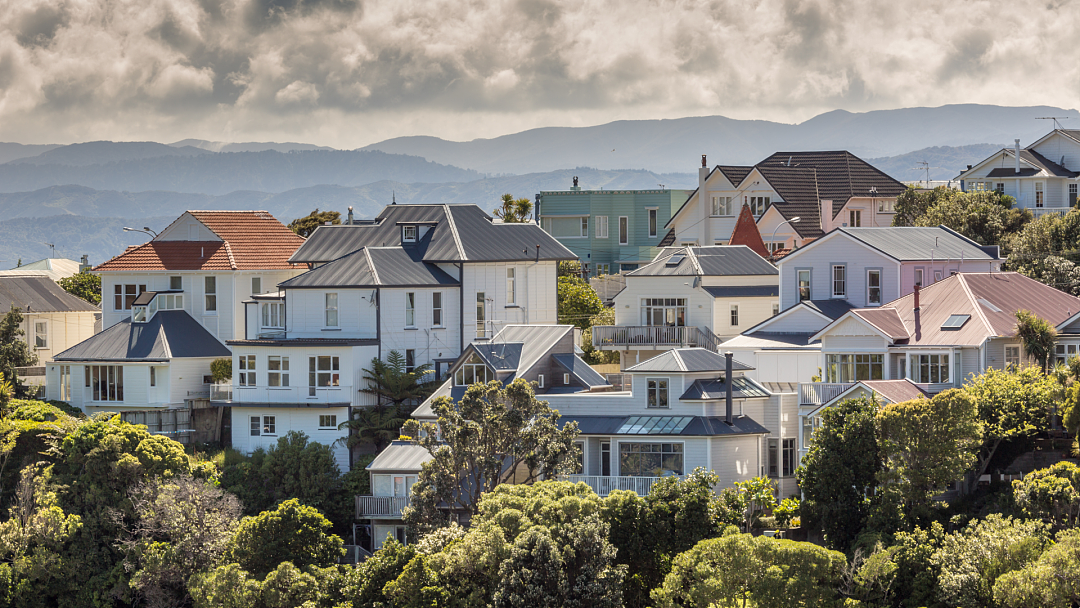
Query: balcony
627	337
380	507
605	484
1041	211
817	393
228	394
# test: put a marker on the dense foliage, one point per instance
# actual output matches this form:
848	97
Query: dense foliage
514	210
985	217
84	285
14	351
304	226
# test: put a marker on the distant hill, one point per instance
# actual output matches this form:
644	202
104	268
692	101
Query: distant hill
98	237
11	151
677	145
102	152
945	162
219	146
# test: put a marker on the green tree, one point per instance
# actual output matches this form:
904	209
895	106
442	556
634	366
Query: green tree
83	285
397	392
758	497
985	217
839	473
306	225
514	210
577	302
221	369
1052	581
14	351
1037	335
365	583
493	435
593	356
901	575
1051	495
290	533
927	444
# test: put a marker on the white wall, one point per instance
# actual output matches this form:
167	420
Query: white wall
288	419
186	378
751	312
735	459
306	312
429	341
820	257
945	267
535	294
65	329
628	301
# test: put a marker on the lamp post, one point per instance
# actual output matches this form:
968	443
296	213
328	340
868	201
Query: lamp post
144	230
772	239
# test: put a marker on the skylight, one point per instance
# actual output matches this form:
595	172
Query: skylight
674	260
654	425
988	304
955	322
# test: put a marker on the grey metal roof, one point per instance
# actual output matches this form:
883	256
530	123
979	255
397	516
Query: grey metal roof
581	370
170	334
718	260
500	356
305	342
374	267
688	426
41	294
711	390
687	360
906	243
744	291
458	233
834	309
400	456
536	340
766	339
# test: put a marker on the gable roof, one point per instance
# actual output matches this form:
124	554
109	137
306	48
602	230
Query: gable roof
170	334
250	240
891	391
577	367
746	233
907	244
374	267
716	388
458	233
54	268
690	360
717	260
39	294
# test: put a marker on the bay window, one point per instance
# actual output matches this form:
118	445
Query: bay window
930	369
659	312
650	459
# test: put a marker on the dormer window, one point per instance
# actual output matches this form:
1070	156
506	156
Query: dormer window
472	371
408	234
138	314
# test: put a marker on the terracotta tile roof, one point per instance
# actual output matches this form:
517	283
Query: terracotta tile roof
746	233
250	240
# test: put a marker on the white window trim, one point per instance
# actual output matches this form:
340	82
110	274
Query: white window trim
511	286
44	322
540	381
327	308
207	294
832	281
649	212
734	308
881	293
405	234
601	226
616	451
440	308
327	428
566	379
911	364
667	380
408	308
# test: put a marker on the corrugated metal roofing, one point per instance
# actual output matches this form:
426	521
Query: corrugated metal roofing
585	374
907	243
374	267
170	334
887	320
834	309
722	260
765	340
744	291
712	390
400	456
687	360
41	294
501	356
696	426
896	391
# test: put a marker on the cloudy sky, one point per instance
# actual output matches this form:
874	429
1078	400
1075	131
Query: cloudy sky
347	73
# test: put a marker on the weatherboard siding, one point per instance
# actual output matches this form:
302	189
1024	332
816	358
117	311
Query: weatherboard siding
306	312
429	342
782	366
1058	148
65	329
186	378
820	258
840	344
535	295
628	301
752	310
799	321
305	420
735	459
970	363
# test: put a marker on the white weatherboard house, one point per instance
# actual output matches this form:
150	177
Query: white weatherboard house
424	280
687	297
1042	177
673	419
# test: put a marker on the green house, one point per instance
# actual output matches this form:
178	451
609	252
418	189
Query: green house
611	231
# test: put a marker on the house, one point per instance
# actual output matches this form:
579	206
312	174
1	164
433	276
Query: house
424	280
211	261
610	231
816	398
675	415
54	268
53	320
689	296
794	196
1042	177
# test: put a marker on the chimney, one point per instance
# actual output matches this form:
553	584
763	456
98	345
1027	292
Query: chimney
1017	156
575	187
826	216
916	297
728	397
84	263
350	215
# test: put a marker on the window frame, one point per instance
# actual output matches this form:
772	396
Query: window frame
256	286
734	315
331	308
833	280
268	312
246	368
844	368
759	205
511	286
584	227
919	276
210	294
410	360
410	309
624	230
473	363
789	457
721	206
653	219
869	288
124	298
540	381
437	311
405	234
113	383
772	458
809	284
1017	358
680	452
854	218
316	373
255	427
41	339
678	310
277	377
601	227
1040	195
331	418
153	377
915	367
658	393
481	314
269	426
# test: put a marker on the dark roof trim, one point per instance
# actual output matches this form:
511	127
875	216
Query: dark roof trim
305	342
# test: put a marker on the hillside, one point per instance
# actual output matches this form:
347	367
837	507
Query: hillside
945	162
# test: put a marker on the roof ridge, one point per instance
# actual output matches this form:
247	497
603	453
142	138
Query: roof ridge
371	265
974	302
228	252
454	232
678	359
693	261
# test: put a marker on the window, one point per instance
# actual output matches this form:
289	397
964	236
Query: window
775	309
566	227
1072	194
436	309
481	314
661	312
323	372
601	227
269	425
408	234
603	269
511	286
1062	353
721	205
1000	188
839	281
850	368
210	284
256	285
331	310
585	227
246	366
919	276
107	382
1012	356
657	392
650	459
256	426
176	283
774	457
273	314
65	382
470	372
873	287
327	421
804	284
1038	194
605	458
773	246
410	360
124	295
138	314
410	309
41	334
153	376
758	204
169	301
566	379
937	276
734	315
885	206
207	379
624	230
652	223
930	369
540	381
854	218
788	457
277	371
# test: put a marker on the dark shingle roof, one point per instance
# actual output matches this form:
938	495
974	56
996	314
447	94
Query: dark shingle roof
168	335
840	175
687	360
719	260
834	309
41	294
734	173
1045	164
375	267
798	186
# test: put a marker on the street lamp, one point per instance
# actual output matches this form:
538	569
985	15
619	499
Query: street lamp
772	239
144	230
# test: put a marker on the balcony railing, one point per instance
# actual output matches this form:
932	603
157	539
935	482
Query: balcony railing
389	507
606	484
1041	211
816	393
239	395
617	336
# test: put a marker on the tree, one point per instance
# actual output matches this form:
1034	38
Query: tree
838	475
306	225
593	356
292	532
903	574
577	302
221	369
1037	335
514	210
397	391
14	351
1051	495
927	444
985	217
495	434
83	285
1052	581
757	495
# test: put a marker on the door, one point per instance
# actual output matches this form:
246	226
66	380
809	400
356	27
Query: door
605	458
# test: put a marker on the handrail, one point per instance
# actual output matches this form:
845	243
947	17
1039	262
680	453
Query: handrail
606	484
230	393
817	393
654	335
380	506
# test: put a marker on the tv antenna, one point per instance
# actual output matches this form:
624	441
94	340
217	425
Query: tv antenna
53	247
1053	118
924	166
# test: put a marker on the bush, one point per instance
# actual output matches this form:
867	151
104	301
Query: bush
221	369
786	511
290	533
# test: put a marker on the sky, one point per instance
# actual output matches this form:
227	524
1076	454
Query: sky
346	73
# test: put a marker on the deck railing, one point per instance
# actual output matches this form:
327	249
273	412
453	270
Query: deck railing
239	395
606	484
1041	211
368	507
614	336
816	393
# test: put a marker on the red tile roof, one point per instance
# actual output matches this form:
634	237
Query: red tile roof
250	240
746	233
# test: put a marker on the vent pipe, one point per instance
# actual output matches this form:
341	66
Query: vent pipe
730	388
1017	155
350	215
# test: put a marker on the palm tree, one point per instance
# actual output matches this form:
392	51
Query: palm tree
1037	335
397	391
514	210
